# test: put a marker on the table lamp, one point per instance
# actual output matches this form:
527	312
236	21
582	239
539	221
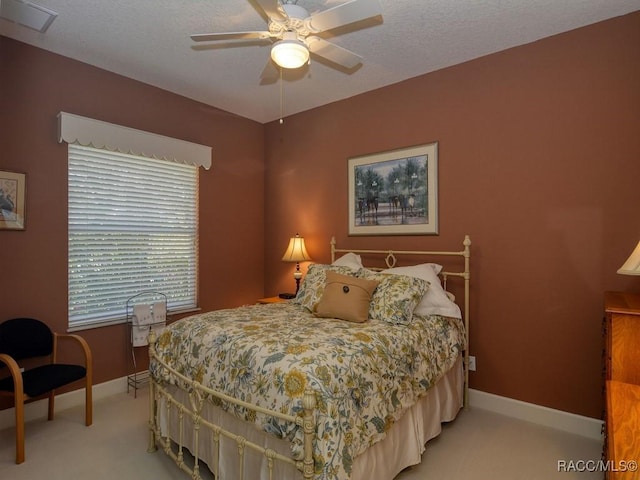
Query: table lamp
632	265
296	252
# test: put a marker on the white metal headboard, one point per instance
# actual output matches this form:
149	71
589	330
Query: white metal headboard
390	260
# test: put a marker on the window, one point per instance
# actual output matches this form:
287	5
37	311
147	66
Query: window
133	226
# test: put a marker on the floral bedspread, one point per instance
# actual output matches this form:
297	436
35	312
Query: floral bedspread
365	374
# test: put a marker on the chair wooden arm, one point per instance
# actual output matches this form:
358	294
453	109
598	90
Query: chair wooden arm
88	363
14	369
88	359
18	400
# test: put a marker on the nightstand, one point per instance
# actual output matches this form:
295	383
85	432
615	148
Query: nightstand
622	331
275	299
623	424
622	375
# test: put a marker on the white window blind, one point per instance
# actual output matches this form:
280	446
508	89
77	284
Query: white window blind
132	227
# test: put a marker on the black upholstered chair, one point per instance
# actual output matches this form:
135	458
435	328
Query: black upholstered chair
27	338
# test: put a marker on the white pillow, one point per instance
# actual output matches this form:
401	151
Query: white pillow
350	260
436	300
436	268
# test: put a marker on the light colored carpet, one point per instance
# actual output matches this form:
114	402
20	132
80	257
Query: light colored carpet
478	445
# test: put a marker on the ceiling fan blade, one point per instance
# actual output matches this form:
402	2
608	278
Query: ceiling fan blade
270	74
209	37
350	12
333	52
273	9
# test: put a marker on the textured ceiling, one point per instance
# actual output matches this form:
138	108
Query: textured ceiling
148	40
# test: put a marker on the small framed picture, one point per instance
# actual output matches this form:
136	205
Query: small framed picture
394	192
12	194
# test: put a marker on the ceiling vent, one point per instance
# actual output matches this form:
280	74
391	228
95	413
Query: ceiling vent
27	14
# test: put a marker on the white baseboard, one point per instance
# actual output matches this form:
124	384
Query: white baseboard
38	409
548	417
569	422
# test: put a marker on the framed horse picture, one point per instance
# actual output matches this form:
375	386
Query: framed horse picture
394	192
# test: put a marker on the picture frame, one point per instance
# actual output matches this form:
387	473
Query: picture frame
12	200
394	192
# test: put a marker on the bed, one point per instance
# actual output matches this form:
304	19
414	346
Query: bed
308	388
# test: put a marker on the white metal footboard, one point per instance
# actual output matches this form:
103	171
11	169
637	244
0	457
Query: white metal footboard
197	395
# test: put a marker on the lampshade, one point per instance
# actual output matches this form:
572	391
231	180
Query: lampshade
296	251
632	265
290	52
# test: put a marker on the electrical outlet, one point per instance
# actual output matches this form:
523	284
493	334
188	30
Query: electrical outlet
472	363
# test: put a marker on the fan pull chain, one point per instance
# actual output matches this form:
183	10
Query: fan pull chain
281	100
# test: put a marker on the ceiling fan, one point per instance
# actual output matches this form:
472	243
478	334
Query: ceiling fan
295	31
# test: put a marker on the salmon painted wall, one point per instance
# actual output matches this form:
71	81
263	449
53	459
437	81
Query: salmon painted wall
34	86
539	161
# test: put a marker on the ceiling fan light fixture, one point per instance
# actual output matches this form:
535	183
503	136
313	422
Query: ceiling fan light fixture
289	53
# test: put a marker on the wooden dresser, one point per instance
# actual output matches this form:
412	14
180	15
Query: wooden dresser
622	364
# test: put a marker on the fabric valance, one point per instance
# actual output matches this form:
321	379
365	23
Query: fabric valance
89	132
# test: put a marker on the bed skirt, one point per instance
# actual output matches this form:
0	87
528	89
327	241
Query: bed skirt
402	447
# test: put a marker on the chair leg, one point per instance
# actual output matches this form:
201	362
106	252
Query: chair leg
19	407
88	407
51	404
